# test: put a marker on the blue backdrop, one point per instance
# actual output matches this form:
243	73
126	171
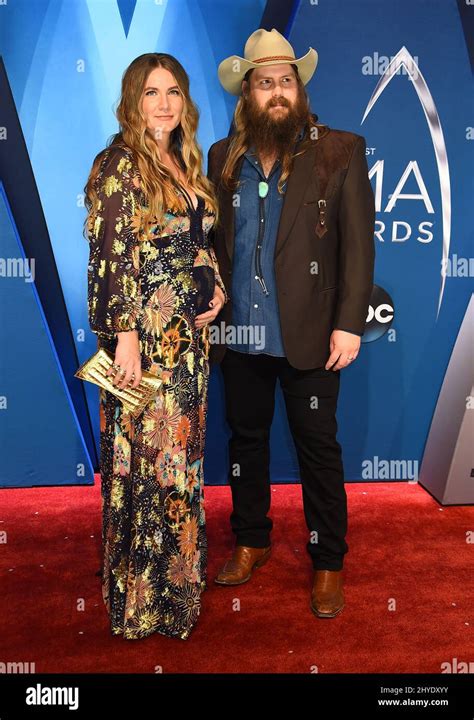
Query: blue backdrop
397	73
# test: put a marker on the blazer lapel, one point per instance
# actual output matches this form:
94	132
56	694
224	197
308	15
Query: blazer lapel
295	189
296	184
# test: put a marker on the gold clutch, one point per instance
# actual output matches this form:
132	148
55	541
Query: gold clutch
134	400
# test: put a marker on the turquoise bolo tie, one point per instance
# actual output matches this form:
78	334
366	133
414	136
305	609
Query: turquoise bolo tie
262	193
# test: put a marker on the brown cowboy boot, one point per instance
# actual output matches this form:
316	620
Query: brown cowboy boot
327	597
239	568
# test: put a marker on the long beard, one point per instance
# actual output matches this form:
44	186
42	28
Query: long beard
273	132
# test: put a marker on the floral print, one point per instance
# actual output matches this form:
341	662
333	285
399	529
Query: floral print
153	519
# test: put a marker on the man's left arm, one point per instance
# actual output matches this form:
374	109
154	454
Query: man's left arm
356	221
356	224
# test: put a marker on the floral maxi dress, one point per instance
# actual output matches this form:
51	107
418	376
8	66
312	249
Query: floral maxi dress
153	518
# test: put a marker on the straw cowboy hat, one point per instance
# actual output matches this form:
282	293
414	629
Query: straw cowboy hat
261	49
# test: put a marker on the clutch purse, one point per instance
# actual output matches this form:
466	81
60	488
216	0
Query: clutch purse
134	400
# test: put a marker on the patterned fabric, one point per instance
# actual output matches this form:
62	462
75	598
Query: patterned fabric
153	527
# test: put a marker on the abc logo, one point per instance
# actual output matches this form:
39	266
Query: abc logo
380	315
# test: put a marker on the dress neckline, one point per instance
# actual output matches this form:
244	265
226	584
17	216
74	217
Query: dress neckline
189	199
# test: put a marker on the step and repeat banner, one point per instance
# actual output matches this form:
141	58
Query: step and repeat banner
398	73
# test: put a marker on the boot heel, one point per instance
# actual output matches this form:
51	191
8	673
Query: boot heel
262	561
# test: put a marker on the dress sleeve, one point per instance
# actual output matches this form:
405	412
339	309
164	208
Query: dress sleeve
114	297
219	280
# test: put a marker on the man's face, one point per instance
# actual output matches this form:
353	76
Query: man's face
274	89
274	108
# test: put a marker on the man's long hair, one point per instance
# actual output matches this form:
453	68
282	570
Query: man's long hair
157	182
240	140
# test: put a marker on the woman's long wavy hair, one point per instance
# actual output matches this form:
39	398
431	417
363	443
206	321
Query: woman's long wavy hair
156	179
240	139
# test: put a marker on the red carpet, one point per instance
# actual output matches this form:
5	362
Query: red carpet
408	586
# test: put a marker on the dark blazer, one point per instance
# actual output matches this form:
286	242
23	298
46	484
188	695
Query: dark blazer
339	237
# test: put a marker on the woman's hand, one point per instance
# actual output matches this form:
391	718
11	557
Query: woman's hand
216	304
127	357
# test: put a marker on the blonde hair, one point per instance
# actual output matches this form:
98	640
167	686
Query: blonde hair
157	182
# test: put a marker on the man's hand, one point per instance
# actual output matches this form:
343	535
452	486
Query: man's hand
344	347
216	303
128	360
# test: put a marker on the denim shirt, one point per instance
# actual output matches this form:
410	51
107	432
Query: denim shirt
254	302
255	313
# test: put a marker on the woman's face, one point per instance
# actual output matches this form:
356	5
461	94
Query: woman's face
162	103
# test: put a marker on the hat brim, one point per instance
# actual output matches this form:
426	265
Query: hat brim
231	71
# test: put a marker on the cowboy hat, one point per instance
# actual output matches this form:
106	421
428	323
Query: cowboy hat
261	49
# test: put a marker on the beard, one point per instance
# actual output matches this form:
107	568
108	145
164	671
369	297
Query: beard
274	132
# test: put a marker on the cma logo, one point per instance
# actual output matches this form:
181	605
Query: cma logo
401	231
380	315
415	81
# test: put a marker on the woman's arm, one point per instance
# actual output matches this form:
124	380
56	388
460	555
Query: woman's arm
114	298
219	281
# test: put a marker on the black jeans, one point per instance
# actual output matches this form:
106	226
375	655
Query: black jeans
311	403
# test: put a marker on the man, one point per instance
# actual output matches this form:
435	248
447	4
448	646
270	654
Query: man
298	269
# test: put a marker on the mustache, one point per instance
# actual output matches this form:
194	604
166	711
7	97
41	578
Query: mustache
278	101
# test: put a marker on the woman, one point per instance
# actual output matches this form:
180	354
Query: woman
151	277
